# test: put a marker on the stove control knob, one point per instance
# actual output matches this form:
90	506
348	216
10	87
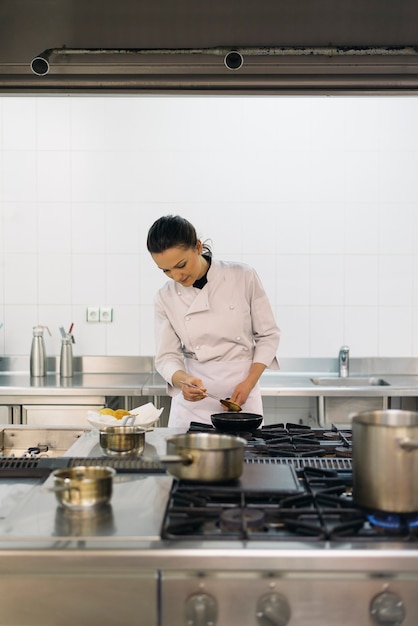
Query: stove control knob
387	609
273	610
201	610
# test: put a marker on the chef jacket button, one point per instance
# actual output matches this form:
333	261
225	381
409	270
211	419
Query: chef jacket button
187	319
231	306
197	347
238	338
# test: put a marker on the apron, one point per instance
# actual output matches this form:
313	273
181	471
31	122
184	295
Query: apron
220	378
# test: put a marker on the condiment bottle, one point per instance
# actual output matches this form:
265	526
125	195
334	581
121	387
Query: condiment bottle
66	358
38	353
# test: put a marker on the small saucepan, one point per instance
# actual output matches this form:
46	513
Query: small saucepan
122	440
80	487
229	421
205	457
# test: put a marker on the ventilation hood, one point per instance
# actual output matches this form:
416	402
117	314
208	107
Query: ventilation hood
217	46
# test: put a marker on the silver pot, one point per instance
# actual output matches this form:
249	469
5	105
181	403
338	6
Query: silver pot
122	440
205	457
82	487
385	460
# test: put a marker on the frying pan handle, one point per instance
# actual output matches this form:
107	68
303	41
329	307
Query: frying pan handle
408	444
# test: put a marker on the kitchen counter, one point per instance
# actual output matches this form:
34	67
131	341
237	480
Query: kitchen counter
14	384
131	376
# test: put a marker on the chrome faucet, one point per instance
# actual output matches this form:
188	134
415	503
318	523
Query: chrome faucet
344	362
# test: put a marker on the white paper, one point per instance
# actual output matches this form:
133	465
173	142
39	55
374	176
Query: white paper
145	415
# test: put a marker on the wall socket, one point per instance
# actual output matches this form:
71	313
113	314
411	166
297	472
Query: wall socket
93	314
99	314
106	314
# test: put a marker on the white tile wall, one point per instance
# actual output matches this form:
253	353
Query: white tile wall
319	194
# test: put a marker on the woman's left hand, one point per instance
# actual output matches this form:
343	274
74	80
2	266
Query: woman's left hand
241	393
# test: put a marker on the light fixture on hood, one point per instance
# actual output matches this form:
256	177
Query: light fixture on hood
234	60
40	64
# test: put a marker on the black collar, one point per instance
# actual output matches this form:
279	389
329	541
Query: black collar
201	282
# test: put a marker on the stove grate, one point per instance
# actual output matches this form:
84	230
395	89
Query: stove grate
20	467
339	464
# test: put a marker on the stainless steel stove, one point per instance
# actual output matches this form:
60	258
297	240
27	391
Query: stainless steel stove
283	545
311	555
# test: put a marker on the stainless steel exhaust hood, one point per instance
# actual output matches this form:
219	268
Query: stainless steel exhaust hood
224	46
241	70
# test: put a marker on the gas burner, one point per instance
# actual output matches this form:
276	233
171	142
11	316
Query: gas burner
332	435
393	523
245	519
322	508
290	440
343	452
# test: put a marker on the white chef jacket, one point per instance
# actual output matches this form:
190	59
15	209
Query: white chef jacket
214	333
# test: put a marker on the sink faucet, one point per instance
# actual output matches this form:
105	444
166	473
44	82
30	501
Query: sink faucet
344	361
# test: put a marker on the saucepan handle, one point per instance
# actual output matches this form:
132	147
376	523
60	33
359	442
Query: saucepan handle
186	459
60	488
408	444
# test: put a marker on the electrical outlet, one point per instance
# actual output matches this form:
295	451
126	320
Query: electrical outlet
106	314
93	314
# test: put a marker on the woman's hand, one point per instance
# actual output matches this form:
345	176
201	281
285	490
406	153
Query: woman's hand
182	380
193	394
241	393
244	388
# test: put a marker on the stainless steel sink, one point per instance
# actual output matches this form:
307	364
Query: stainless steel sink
26	441
349	381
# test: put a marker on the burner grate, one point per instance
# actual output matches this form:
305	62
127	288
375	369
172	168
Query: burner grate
22	467
12	467
339	464
288	440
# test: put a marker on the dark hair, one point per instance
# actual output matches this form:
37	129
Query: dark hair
172	231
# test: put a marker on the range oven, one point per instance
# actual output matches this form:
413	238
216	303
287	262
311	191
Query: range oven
283	545
307	555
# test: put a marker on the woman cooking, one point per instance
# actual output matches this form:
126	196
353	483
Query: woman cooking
214	325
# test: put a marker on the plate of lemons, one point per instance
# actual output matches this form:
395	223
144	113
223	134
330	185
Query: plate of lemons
145	415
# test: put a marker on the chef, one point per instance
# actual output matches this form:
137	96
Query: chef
214	325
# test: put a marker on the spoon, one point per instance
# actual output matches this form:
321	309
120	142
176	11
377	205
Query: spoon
229	404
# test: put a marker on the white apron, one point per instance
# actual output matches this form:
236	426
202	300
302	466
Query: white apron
220	379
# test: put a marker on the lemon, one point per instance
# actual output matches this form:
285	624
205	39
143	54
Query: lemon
107	412
119	413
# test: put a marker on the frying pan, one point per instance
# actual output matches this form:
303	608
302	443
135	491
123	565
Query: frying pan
230	421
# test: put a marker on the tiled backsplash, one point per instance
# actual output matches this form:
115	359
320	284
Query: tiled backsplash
319	194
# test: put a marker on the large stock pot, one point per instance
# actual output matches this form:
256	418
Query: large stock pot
385	460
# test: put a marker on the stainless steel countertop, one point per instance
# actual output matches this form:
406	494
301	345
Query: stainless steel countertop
110	384
135	376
